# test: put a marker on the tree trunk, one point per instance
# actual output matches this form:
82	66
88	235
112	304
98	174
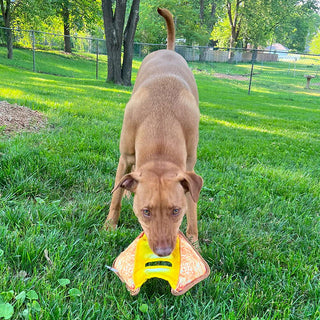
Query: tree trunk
116	37
113	28
232	44
114	64
235	24
9	43
66	29
128	42
213	9
201	11
6	14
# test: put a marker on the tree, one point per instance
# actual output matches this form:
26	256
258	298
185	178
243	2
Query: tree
118	36
235	19
150	28
230	19
260	18
75	14
259	21
193	21
6	10
208	12
21	11
59	15
65	13
315	44
300	24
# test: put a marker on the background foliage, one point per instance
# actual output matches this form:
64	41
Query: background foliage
290	22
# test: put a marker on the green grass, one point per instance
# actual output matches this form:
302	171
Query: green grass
259	210
58	63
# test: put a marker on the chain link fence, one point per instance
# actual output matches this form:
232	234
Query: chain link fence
275	70
43	52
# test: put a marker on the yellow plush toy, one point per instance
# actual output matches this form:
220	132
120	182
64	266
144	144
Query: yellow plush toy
182	269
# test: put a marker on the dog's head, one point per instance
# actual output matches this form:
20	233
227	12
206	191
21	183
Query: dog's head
160	204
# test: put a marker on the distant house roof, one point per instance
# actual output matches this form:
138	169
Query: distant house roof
277	47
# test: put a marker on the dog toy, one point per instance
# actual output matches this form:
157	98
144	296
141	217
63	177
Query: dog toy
182	269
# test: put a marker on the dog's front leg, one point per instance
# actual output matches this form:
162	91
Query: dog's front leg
192	218
192	221
115	206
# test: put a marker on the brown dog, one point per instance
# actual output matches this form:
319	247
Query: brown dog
159	138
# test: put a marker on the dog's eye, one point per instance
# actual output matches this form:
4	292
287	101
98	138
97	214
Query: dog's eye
146	212
175	211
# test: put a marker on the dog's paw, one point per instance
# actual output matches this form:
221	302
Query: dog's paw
194	241
109	225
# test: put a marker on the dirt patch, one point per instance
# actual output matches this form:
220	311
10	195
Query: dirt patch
15	118
231	77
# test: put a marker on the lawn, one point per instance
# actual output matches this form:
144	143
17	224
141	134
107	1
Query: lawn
259	210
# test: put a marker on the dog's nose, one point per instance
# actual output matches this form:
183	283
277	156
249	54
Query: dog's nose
163	251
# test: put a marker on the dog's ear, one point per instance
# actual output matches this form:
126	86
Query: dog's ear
128	182
192	183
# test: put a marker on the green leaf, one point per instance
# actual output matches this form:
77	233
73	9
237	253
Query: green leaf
6	310
36	306
7	295
25	313
63	282
144	308
74	292
21	296
32	295
1	253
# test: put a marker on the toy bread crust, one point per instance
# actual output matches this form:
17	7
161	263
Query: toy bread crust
124	266
193	267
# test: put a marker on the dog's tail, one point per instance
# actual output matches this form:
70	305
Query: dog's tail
170	27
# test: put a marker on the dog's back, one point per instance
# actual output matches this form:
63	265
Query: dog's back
163	109
166	62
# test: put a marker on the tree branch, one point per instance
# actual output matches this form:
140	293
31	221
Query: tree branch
230	13
2	7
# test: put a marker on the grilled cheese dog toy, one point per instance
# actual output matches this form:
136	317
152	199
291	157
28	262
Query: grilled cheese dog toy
183	268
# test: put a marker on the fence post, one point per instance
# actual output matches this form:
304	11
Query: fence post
97	60
33	51
253	60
